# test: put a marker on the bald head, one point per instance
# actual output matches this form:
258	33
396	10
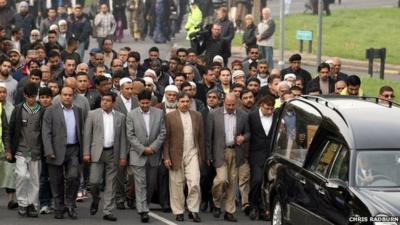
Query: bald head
230	102
339	86
336	60
337	65
83	67
275	71
70	82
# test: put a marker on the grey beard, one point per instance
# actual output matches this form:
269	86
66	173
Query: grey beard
170	105
263	75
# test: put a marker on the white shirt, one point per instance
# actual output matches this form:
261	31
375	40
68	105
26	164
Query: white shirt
266	122
108	127
251	61
230	127
189	148
127	103
146	118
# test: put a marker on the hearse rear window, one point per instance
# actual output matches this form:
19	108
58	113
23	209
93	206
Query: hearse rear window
297	127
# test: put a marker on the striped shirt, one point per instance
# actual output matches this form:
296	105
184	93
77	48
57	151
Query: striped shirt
230	127
105	24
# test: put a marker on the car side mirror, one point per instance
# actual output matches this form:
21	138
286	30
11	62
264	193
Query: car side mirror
336	184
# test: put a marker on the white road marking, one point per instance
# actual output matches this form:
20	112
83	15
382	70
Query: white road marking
162	219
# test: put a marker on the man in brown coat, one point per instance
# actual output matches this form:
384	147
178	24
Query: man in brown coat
183	152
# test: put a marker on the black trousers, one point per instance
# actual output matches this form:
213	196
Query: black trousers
64	180
151	181
163	186
206	182
256	179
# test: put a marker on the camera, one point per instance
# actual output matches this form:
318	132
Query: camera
202	34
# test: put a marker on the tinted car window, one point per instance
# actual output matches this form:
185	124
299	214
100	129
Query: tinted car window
378	168
320	165
340	168
297	127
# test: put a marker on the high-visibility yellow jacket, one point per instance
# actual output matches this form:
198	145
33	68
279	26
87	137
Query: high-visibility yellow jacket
194	20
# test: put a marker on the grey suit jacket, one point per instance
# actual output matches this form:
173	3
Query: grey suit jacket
79	101
215	137
138	138
94	135
54	132
120	106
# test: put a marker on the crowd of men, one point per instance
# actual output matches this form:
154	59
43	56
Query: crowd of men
189	132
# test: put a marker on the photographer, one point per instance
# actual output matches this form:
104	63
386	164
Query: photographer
193	24
213	44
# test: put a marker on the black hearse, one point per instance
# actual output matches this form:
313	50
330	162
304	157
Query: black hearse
335	160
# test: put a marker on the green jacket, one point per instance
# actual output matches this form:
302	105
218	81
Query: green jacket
194	20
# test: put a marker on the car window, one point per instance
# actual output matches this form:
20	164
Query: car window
296	130
378	168
340	168
320	164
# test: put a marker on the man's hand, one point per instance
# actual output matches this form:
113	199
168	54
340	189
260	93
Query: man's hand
208	162
51	157
86	158
167	163
148	151
122	163
8	156
258	38
240	139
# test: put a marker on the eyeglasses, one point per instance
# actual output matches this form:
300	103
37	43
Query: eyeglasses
388	96
117	65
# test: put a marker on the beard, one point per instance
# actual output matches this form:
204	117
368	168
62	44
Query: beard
170	105
4	73
263	75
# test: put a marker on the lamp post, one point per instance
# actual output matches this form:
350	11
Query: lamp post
281	62
319	49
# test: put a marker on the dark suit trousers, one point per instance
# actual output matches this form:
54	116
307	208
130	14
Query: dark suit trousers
256	179
206	182
163	185
44	189
65	175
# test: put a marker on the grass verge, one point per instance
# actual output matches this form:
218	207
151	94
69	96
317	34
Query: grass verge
346	33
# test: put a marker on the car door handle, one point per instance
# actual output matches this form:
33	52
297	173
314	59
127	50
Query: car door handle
302	180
